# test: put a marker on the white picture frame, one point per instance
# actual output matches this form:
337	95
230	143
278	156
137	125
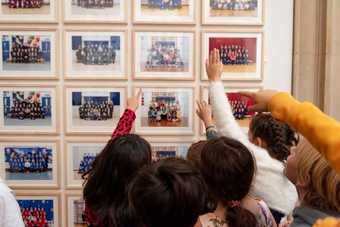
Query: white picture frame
233	13
18	114
22	57
250	44
180	96
100	55
114	11
41	11
169	149
178	11
152	47
14	169
75	208
89	123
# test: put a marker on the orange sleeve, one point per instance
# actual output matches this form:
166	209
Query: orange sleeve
328	222
322	131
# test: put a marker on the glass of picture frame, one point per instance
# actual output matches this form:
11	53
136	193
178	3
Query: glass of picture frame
93	108
75	209
28	109
95	55
26	54
29	11
164	55
162	150
171	12
39	207
29	163
80	156
241	53
239	103
84	11
238	12
165	110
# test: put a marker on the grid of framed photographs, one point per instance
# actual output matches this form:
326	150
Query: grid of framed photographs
67	67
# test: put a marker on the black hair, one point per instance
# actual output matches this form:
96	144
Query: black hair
105	191
278	136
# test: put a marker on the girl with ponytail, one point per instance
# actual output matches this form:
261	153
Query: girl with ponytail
228	169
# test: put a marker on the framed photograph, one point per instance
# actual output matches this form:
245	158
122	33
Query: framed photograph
80	156
28	54
233	12
169	150
93	109
94	55
28	11
38	209
164	55
29	164
241	54
165	111
26	109
87	11
171	11
239	104
75	210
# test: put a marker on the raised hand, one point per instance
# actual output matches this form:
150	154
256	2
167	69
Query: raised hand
214	66
133	102
261	100
204	112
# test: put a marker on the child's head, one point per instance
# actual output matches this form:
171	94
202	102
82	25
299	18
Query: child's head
195	151
275	136
318	184
168	193
112	171
228	169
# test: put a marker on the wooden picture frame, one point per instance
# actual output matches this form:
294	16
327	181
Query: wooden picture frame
250	44
181	124
42	199
45	11
183	12
85	67
91	14
17	176
27	57
80	153
204	94
18	112
183	68
101	125
234	15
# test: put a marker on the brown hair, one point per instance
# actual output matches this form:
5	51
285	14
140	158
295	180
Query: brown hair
228	169
321	182
278	136
195	151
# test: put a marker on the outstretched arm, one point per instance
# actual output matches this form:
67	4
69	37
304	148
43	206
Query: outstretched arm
126	121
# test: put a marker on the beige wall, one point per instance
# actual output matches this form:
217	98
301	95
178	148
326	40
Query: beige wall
316	52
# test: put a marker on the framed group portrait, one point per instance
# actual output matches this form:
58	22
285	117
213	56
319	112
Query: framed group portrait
165	110
239	103
80	156
29	164
241	54
232	12
92	11
94	109
163	150
171	11
29	11
164	55
28	55
28	109
39	208
95	55
75	208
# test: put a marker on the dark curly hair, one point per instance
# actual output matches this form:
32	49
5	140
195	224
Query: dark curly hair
278	136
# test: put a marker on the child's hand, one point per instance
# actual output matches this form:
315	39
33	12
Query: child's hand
133	102
204	112
261	100
214	66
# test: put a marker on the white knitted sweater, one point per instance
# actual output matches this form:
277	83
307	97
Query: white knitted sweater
270	184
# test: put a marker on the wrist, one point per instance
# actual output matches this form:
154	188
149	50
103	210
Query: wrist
208	122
